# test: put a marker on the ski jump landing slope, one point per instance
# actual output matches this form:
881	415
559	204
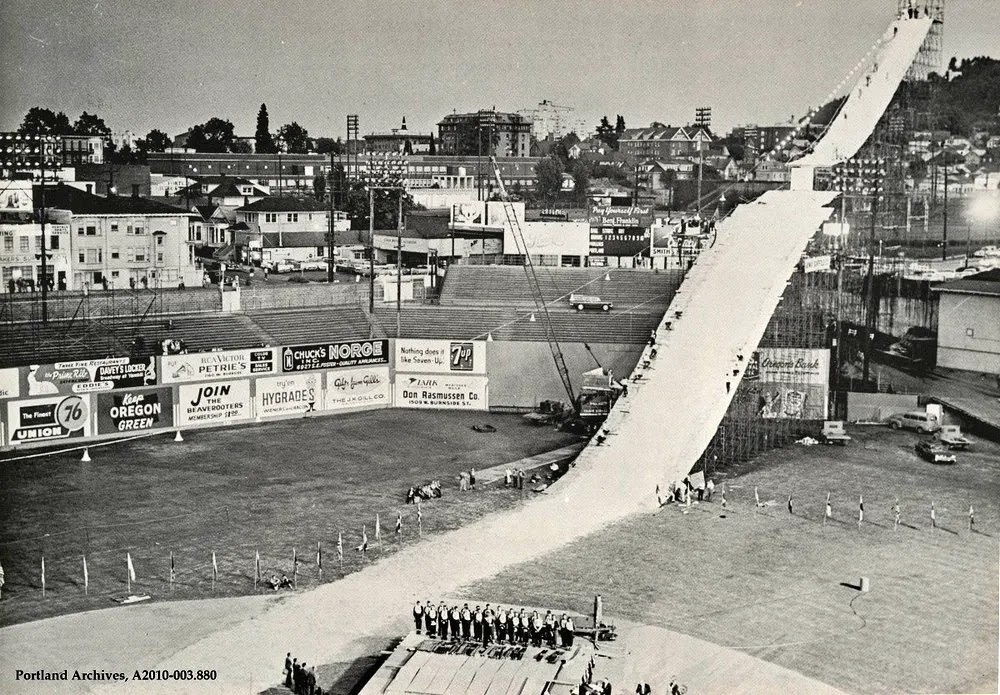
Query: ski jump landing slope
656	435
871	95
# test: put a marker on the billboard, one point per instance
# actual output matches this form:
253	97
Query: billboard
621	216
48	419
135	411
10	382
441	356
814	264
16	195
365	387
294	394
221	364
220	403
794	382
459	392
87	376
353	353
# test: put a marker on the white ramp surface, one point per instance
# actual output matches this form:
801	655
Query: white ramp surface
870	97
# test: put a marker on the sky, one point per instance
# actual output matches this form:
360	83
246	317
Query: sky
170	64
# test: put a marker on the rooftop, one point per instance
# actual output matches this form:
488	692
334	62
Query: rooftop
82	203
285	204
987	282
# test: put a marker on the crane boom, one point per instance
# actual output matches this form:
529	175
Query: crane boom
533	285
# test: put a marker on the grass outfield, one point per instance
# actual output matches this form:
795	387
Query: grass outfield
263	487
772	585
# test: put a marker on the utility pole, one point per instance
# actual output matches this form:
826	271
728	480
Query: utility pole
872	297
331	268
371	250
944	241
45	276
399	261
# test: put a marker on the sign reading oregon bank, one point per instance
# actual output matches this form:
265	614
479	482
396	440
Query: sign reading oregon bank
353	353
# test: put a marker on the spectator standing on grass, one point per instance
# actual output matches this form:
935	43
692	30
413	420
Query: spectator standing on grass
311	681
296	675
463	481
933	516
443	620
710	489
472	478
288	670
972	518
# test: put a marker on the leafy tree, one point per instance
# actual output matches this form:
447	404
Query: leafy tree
581	181
125	155
386	202
91	124
319	186
42	121
264	141
433	146
295	137
619	127
328	145
155	141
408	147
214	135
549	176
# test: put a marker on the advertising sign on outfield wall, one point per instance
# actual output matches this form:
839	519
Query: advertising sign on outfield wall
441	356
365	387
10	383
351	353
87	376
292	394
459	392
48	419
793	382
135	411
223	364
220	403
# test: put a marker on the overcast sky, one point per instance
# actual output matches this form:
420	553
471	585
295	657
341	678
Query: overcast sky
169	64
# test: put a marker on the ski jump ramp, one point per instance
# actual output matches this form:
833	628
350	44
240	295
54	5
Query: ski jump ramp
656	435
867	101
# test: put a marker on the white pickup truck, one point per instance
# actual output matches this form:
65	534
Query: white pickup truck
951	436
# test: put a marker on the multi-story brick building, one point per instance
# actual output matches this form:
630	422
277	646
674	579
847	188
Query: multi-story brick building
485	132
664	142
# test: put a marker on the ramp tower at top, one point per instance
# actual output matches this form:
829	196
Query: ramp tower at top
929	59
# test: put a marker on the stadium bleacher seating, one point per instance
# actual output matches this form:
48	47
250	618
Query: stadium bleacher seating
508	285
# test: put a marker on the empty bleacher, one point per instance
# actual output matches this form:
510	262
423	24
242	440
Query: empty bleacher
317	325
464	323
468	285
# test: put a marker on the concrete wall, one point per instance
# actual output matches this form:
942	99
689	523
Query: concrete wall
524	373
875	407
969	332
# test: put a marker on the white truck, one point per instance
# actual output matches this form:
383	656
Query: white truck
951	436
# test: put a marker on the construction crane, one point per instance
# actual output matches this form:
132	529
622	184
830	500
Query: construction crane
536	290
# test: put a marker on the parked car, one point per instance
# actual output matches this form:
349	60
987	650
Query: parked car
586	301
916	420
282	266
951	436
935	452
987	251
312	263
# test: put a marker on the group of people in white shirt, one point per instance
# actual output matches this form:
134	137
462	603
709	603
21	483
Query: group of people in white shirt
491	625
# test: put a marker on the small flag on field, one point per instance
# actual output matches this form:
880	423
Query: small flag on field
340	546
256	568
43	575
319	556
363	548
399	523
171	566
215	567
378	528
86	576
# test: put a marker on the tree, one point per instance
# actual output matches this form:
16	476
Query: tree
605	133
214	135
155	141
264	141
295	137
91	124
329	145
319	186
386	202
581	181
42	121
619	127
433	146
549	175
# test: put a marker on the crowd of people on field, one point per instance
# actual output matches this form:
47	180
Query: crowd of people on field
300	678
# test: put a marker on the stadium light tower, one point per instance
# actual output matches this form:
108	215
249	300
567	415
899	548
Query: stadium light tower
386	173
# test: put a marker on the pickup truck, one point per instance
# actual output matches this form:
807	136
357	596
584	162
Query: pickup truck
951	436
833	433
586	301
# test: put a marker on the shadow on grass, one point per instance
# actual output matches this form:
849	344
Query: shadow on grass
849	585
354	674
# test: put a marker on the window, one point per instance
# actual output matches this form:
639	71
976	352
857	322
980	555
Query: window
114	254
114	226
139	229
25	244
269	217
8	243
82	257
114	273
139	255
91	230
159	257
79	231
94	255
38	242
54	243
293	217
159	238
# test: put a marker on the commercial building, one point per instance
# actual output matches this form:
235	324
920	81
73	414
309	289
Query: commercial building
486	132
969	323
399	140
276	228
555	120
82	149
297	171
